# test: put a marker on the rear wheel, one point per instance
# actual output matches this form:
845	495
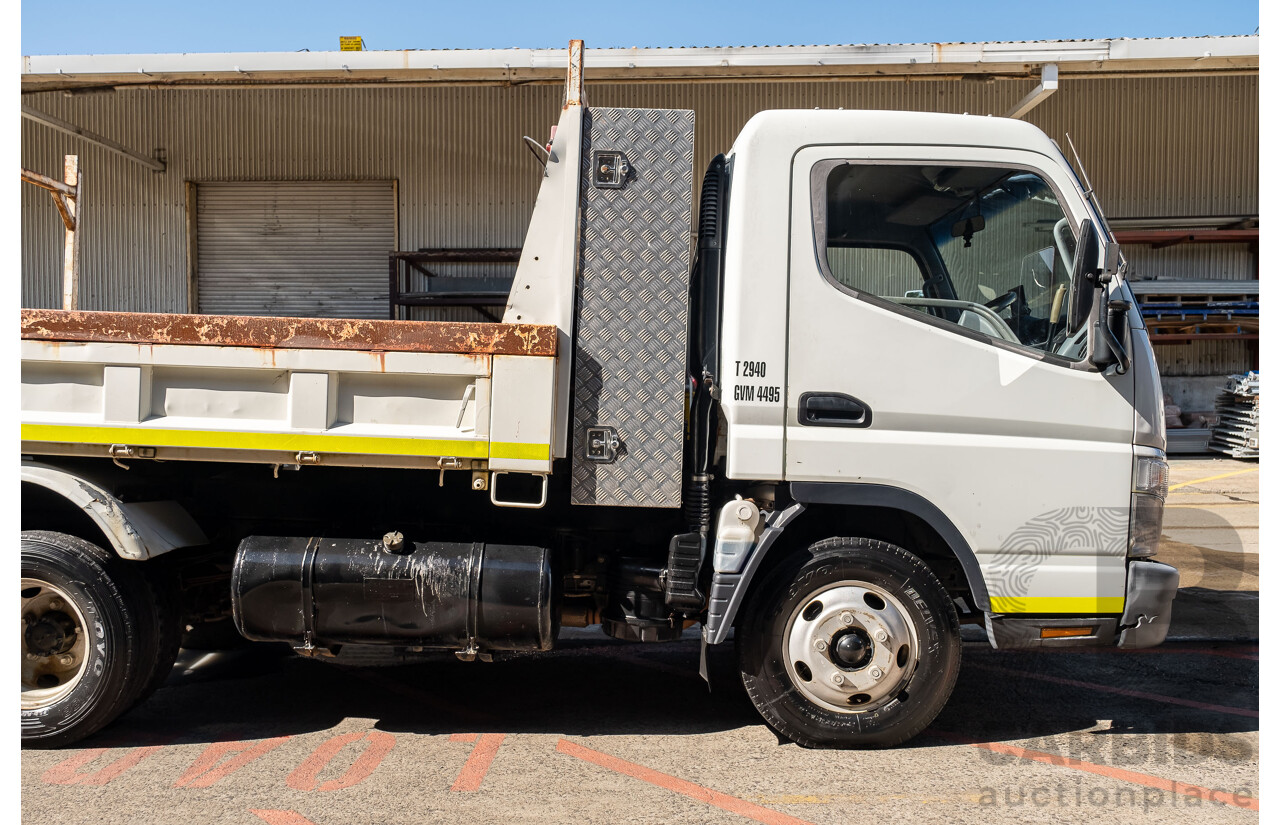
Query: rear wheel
164	602
852	643
90	639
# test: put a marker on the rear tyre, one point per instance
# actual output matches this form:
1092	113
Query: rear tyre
165	617
88	638
851	643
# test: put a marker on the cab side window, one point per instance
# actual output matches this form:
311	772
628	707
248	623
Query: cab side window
882	271
982	248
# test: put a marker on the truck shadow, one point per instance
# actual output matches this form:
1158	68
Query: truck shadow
611	688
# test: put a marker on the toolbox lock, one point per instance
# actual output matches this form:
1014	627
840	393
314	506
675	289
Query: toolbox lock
610	170
602	444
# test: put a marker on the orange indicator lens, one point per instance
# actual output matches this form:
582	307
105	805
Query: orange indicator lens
1064	632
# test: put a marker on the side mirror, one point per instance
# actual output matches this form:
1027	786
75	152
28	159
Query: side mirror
1084	276
1108	320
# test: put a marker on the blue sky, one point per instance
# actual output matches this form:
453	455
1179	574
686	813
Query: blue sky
146	26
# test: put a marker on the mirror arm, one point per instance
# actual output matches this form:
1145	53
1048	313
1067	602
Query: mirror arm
1119	343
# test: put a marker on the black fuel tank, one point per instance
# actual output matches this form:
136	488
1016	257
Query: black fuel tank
318	592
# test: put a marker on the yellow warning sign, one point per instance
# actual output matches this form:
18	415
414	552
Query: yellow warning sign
351	44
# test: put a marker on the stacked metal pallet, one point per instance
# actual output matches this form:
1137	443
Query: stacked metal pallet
1238	416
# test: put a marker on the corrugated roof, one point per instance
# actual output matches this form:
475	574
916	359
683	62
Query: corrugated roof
513	66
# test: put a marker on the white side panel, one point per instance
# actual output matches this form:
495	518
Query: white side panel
220	394
522	413
754	322
246	400
59	387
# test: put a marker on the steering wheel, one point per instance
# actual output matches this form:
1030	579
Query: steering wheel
1003	302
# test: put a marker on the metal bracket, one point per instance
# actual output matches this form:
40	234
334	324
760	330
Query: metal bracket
448	463
306	457
119	451
493	493
602	444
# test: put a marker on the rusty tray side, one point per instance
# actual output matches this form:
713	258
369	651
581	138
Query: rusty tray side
293	333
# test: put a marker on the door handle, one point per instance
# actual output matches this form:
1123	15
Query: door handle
833	409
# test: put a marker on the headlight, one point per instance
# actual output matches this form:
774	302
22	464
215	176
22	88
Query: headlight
1146	508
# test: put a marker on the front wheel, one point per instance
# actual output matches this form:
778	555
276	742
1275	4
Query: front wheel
851	643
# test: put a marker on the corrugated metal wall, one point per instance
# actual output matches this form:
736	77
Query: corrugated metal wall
1154	147
1200	358
1214	261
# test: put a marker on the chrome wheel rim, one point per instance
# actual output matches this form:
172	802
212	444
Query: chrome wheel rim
850	647
54	643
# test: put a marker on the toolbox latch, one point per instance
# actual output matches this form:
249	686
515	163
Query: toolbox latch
610	170
602	444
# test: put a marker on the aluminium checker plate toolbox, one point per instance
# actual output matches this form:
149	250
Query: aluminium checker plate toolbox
636	200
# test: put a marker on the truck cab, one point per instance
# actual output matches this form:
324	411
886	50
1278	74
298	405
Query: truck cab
936	344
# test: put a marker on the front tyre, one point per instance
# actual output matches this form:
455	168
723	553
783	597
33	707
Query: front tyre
87	637
851	643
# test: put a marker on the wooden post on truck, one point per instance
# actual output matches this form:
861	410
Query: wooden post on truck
66	196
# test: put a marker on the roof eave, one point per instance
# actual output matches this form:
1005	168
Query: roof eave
517	66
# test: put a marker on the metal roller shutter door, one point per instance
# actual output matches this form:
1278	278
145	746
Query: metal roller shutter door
315	249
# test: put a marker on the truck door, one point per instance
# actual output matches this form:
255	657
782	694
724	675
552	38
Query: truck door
930	351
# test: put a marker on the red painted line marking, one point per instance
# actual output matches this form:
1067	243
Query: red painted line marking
477	764
305	776
1144	779
281	817
1154	697
681	786
67	772
206	771
463	737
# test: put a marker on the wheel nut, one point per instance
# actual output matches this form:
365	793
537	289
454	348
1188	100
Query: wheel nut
838	678
820	645
33	657
846	617
881	636
66	659
876	672
55	604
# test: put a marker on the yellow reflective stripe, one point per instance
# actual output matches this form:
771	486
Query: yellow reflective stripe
1077	605
290	442
513	449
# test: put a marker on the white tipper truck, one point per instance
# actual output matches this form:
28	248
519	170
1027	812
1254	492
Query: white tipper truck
891	383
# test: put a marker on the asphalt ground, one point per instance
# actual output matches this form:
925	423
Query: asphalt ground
603	732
